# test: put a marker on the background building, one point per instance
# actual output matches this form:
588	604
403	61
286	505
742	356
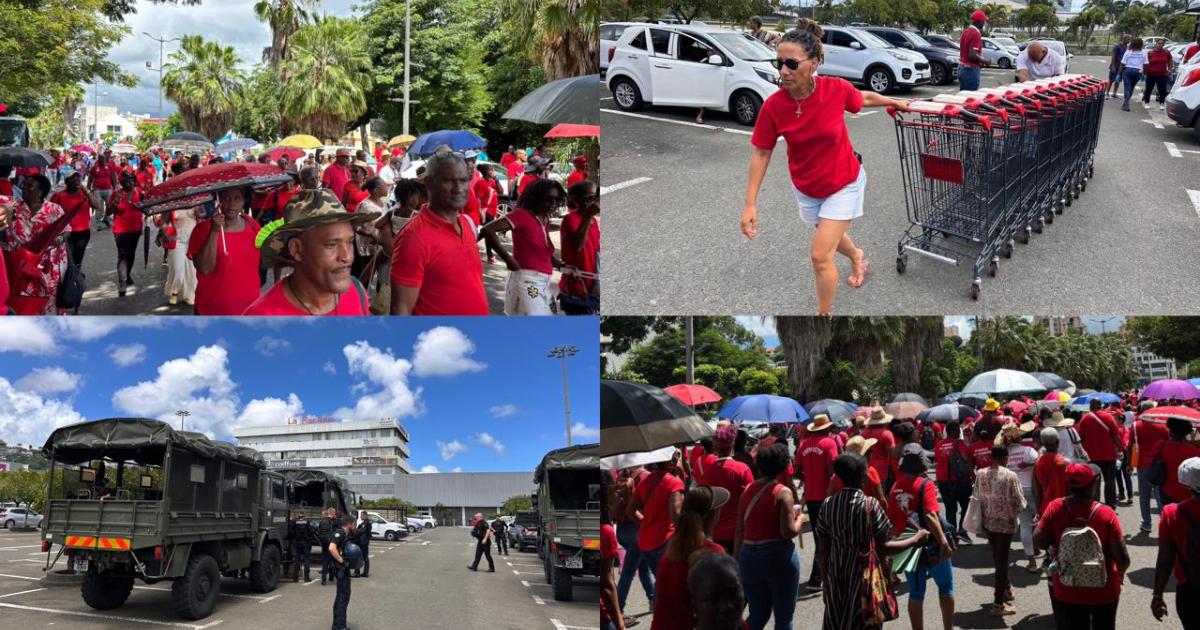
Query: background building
370	454
1152	367
1061	324
463	494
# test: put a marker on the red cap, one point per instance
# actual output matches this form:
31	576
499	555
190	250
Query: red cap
580	161
1080	475
979	16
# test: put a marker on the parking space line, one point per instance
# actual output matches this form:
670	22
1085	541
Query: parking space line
309	582
1173	150
111	617
18	547
1195	197
32	590
539	600
558	625
604	190
27	560
739	131
525	572
666	120
19	577
532	584
268	599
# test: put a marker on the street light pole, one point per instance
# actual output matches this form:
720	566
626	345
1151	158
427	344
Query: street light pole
161	42
183	414
564	352
407	20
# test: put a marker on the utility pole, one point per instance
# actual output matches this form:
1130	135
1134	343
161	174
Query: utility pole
407	48
564	352
160	41
183	414
1103	322
689	351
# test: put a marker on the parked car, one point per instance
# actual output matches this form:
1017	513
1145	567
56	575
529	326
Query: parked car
692	66
857	55
15	517
943	41
1056	45
1004	41
943	63
610	32
1150	43
1000	55
424	519
1177	52
523	531
1183	102
385	529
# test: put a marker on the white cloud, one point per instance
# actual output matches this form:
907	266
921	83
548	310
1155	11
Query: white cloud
270	346
450	449
125	356
329	368
270	411
199	383
389	376
456	469
27	335
428	468
443	351
93	328
503	411
49	380
581	430
28	418
487	440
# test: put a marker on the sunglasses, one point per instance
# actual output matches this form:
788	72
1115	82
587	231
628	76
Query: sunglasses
556	200
792	64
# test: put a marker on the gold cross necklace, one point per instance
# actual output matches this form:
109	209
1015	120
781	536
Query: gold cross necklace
800	101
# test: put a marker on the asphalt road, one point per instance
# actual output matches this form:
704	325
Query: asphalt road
421	582
146	297
674	244
973	583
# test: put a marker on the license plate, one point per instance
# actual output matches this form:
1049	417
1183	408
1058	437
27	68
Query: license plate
574	562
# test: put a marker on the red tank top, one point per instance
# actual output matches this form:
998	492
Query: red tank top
762	523
532	246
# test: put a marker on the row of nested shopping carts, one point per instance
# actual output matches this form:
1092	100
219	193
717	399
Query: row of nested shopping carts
983	169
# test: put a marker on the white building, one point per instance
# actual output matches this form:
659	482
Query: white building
107	119
370	454
1152	367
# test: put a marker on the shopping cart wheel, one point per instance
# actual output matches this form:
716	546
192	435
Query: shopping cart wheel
975	287
1025	235
1008	249
1058	208
1040	225
901	264
1067	200
1049	218
994	267
1091	171
1083	185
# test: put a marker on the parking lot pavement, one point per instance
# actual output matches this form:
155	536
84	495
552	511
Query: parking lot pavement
973	584
421	582
674	196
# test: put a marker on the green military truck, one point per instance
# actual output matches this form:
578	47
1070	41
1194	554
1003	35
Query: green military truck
133	499
568	506
312	491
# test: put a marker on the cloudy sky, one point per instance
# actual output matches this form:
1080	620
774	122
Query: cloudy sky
232	22
474	393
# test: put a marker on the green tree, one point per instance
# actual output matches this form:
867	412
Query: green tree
175	123
258	114
26	487
1173	337
1084	25
998	14
658	359
560	34
758	381
517	503
285	17
330	76
150	134
1037	18
204	79
1137	20
873	11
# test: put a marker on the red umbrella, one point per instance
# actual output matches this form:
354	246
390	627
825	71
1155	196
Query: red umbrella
210	179
1161	414
292	153
567	130
1016	407
693	394
83	147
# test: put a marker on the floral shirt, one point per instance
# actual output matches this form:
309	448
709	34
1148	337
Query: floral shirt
1000	497
53	264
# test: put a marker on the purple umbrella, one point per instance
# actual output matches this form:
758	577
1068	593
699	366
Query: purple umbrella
1171	388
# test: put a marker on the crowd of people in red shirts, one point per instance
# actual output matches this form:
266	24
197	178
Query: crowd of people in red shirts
712	533
418	254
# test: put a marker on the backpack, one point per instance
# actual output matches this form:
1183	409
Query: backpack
1189	558
959	466
931	553
927	439
1081	560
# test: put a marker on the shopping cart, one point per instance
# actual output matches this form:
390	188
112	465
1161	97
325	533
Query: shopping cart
985	168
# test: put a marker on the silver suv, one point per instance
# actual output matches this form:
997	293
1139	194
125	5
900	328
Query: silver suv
856	55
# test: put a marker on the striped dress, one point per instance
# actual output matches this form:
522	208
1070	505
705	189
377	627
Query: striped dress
844	525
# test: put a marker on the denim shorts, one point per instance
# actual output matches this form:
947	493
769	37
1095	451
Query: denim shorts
942	574
843	205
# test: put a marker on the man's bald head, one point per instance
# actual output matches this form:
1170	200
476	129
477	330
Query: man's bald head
1037	51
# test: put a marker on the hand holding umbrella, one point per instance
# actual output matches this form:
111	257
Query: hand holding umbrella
218	220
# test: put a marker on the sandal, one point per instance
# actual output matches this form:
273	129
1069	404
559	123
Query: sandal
866	265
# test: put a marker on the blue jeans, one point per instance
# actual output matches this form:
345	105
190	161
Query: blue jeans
1144	490
968	78
1132	77
771	580
627	534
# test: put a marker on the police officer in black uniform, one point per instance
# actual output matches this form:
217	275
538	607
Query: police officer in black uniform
500	530
363	533
324	531
301	537
340	570
483	545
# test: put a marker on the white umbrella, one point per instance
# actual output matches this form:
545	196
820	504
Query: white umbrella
1004	382
123	147
629	460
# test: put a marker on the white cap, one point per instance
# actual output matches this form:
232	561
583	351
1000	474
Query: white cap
1189	473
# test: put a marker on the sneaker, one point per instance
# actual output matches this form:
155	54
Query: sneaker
1124	108
965	537
1145	529
472	568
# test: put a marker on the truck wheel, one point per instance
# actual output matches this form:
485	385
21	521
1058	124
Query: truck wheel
195	593
264	574
547	567
104	591
562	585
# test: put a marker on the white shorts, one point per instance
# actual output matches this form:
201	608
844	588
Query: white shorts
843	205
528	293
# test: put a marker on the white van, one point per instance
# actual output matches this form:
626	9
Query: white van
692	65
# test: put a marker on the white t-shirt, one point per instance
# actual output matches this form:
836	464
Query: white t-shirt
1051	65
1134	59
1066	443
1021	455
388	174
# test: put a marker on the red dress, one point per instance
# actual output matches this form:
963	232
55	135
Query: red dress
53	263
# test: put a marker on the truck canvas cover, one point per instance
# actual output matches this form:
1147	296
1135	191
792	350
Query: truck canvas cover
299	477
141	440
571	457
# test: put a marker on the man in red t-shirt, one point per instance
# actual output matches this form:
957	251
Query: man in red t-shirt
955	489
337	175
657	501
1049	473
1147	438
970	52
732	475
102	178
1192	51
1102	440
1177	522
580	173
814	461
880	458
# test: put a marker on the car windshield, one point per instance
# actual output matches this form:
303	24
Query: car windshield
1005	41
870	40
918	40
743	46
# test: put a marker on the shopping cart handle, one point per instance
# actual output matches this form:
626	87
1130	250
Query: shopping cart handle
983	121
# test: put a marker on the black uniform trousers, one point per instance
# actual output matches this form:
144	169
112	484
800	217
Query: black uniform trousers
502	544
301	552
327	566
365	567
483	549
341	601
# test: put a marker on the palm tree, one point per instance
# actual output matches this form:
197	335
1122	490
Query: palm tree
559	34
329	68
285	17
204	79
922	339
998	14
804	341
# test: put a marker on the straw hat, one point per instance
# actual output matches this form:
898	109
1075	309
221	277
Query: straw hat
1013	430
878	417
820	422
1058	421
860	445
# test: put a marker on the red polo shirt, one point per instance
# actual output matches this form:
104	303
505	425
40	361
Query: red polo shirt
814	455
444	264
104	177
335	178
82	221
1148	435
1097	431
971	39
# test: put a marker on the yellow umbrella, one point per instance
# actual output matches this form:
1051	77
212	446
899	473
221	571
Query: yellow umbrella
301	141
401	141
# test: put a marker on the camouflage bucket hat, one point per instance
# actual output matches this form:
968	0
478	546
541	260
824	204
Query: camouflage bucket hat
309	209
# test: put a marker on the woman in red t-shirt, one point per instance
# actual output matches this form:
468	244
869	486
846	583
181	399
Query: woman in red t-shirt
226	259
532	261
769	518
1173	452
827	177
127	227
691	540
1159	64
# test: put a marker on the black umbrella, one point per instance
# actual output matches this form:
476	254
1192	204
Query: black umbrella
574	100
635	418
187	141
1050	380
910	397
22	157
973	399
948	412
840	412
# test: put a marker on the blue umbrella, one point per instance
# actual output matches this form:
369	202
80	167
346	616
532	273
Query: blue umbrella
1104	397
763	408
1194	381
838	411
457	140
229	146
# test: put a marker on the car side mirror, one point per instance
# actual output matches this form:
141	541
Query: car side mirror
856	45
716	60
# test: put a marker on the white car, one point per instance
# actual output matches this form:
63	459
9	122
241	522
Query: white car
856	55
610	32
999	54
424	519
692	66
1183	102
14	517
385	529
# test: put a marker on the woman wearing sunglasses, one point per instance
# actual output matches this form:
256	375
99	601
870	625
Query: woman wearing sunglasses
827	176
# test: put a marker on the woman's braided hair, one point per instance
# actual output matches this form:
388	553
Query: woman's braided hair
808	35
